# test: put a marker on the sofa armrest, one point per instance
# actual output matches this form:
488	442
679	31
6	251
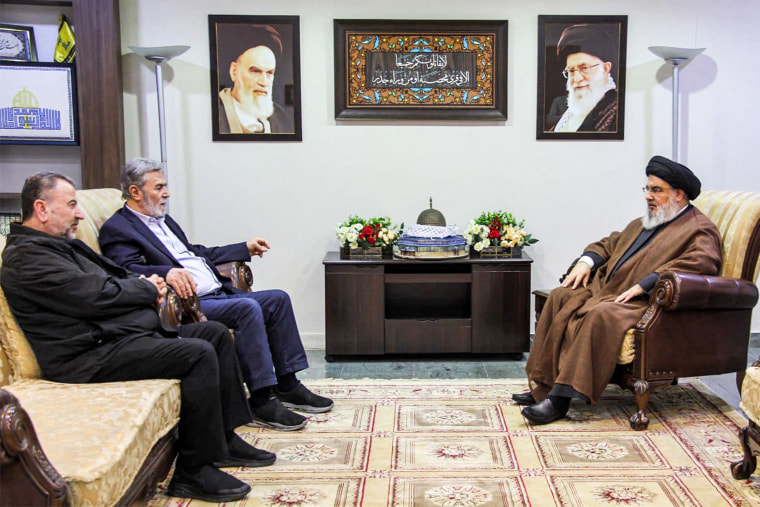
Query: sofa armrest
171	310
687	291
176	310
26	475
239	272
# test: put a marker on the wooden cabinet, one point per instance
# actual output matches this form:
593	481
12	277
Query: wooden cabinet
399	306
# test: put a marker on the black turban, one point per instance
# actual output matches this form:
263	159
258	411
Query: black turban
235	39
586	38
675	174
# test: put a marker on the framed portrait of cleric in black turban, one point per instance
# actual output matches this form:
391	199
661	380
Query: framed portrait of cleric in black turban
581	77
255	78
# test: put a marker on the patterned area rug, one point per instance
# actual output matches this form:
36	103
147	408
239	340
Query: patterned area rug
463	443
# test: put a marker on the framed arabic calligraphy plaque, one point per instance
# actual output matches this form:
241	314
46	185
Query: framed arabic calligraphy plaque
420	69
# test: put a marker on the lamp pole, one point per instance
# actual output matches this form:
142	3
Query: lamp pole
159	55
675	57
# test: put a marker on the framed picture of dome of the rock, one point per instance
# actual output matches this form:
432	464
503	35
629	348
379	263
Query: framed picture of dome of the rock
420	69
38	103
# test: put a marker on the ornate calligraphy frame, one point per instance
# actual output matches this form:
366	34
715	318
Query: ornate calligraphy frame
17	43
471	67
552	85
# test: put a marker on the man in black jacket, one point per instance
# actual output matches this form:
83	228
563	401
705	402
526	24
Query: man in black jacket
89	320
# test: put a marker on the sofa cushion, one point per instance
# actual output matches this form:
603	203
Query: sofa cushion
21	358
98	435
16	351
628	350
751	394
98	205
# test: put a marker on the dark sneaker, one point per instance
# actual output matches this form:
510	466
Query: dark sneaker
302	399
242	454
208	484
274	415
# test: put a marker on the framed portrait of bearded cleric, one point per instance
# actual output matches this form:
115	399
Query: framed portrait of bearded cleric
581	77
420	69
255	78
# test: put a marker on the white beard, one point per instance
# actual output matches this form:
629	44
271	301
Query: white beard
661	215
581	102
260	106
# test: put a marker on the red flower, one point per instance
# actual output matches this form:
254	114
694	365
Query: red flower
494	233
361	236
368	231
371	240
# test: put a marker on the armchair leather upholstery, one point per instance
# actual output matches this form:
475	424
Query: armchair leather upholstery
694	324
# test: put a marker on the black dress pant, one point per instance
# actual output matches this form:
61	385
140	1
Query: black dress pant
212	393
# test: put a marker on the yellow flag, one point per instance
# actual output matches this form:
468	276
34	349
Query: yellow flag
65	49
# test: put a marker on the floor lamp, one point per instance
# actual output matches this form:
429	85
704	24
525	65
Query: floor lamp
159	55
675	57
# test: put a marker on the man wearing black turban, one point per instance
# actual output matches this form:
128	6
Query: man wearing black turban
590	57
581	329
250	54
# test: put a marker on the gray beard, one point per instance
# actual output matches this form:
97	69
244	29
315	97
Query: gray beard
662	215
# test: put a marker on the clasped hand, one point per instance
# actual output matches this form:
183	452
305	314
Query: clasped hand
160	286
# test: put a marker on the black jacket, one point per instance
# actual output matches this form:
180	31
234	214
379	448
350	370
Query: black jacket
75	307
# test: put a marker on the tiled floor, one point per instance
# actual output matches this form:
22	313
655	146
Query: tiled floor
451	367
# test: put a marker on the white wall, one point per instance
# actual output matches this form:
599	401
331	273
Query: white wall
571	193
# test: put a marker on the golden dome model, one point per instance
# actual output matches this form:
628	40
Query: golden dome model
431	217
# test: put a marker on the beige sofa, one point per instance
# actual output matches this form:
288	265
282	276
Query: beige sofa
80	444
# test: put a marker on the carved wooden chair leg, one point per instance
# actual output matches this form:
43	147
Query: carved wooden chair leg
639	421
744	468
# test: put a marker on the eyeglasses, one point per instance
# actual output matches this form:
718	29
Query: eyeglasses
583	69
654	190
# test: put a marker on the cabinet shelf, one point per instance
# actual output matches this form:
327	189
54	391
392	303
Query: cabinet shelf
429	278
397	306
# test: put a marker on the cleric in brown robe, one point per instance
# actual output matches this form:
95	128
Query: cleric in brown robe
582	326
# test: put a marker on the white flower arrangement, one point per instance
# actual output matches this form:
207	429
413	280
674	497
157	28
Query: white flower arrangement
357	232
496	229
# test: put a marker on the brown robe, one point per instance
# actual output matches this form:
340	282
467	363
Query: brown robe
580	332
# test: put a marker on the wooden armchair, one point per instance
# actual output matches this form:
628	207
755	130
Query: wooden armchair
749	436
696	325
699	325
98	205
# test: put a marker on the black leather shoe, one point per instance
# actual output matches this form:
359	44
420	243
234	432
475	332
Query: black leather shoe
542	413
524	398
242	454
208	484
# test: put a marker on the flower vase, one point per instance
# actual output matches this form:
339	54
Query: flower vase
497	252
373	252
